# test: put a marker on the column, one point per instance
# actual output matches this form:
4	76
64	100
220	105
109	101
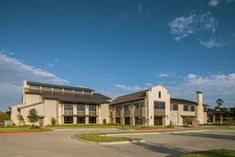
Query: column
98	118
86	114
132	115
221	119
122	116
74	114
213	119
114	115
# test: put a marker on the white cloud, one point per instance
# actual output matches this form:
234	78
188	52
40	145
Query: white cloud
211	43
56	60
13	72
214	3
51	65
148	84
140	8
187	25
129	88
163	75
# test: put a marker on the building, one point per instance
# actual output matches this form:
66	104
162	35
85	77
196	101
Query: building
77	105
156	107
65	104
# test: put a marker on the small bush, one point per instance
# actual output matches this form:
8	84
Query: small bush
53	121
104	121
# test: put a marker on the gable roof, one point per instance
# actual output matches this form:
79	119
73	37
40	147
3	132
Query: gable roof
130	97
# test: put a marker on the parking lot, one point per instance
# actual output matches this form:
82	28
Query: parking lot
60	144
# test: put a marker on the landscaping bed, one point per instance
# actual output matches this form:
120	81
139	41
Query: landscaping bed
103	138
22	129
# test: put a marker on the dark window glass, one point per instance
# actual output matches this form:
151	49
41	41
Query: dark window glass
68	120
185	107
159	94
92	119
205	109
68	109
92	109
175	107
192	108
81	120
81	109
159	105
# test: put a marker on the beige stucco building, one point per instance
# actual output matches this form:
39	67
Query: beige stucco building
66	104
155	106
77	105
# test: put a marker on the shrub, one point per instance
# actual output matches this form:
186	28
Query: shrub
53	121
33	116
104	121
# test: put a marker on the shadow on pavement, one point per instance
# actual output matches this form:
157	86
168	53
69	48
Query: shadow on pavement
208	135
168	151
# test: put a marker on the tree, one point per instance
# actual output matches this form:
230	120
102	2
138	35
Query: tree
219	103
4	116
20	118
33	116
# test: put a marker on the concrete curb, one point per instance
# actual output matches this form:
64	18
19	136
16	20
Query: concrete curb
107	143
153	133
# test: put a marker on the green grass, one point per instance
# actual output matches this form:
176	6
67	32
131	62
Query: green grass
211	153
103	138
19	129
229	128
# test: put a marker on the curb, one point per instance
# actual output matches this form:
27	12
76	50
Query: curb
22	132
153	133
107	143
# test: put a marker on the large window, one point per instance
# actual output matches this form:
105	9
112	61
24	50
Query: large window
81	120
192	108
92	119
205	109
92	109
68	109
68	120
175	107
81	109
185	107
159	105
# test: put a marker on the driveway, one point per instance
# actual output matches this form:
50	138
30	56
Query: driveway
60	144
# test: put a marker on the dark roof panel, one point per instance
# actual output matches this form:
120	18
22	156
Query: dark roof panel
130	97
58	86
95	98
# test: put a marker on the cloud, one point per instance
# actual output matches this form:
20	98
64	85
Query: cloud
51	65
140	8
129	88
13	72
211	43
164	75
214	3
214	86
56	60
187	25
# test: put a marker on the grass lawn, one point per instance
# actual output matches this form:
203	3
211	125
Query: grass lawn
211	153
223	128
22	129
103	138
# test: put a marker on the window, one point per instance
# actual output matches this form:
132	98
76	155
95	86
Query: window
68	109
205	109
68	90
159	105
192	108
78	91
81	120
137	106
81	109
92	109
159	94
46	88
68	120
92	119
126	107
185	107
57	89
34	87
175	107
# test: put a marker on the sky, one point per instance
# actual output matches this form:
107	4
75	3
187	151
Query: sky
120	46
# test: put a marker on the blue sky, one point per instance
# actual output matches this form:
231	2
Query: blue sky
118	47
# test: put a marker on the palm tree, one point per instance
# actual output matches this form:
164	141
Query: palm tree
219	103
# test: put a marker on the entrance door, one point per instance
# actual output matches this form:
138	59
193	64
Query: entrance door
157	120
